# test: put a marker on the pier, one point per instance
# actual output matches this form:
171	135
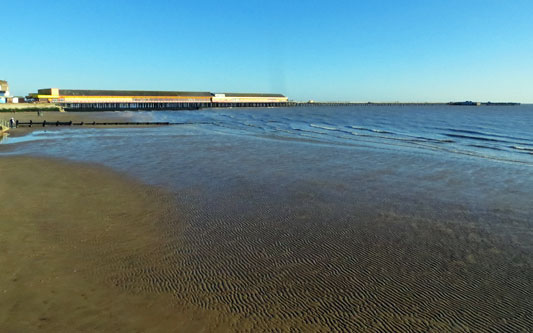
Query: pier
162	106
136	100
211	105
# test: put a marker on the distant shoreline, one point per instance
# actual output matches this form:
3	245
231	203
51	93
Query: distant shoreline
466	103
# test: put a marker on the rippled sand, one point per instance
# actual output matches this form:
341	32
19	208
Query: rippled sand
310	267
90	250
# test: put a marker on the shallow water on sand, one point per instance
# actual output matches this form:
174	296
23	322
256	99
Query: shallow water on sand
368	218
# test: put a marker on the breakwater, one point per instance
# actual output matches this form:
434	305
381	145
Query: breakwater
45	123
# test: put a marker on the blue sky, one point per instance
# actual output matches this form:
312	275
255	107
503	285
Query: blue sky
321	50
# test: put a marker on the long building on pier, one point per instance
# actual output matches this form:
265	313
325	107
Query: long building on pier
248	98
132	99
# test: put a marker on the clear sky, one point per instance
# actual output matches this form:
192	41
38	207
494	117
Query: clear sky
384	50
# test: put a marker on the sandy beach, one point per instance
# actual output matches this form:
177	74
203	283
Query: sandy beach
70	236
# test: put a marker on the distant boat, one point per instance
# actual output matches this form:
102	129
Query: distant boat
465	103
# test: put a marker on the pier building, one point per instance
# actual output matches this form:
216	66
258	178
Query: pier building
72	99
248	98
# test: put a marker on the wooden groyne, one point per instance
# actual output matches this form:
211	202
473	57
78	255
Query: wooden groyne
45	123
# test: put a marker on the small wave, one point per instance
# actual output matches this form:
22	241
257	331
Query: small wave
329	128
426	139
371	130
469	137
483	133
522	148
486	147
401	137
466	131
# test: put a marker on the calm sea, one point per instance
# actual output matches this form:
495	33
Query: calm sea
338	217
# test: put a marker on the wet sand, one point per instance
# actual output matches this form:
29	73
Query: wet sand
70	235
83	248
